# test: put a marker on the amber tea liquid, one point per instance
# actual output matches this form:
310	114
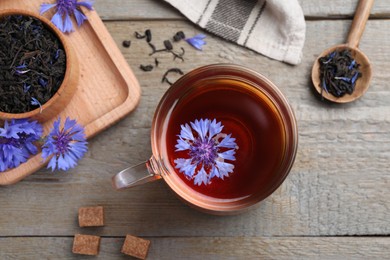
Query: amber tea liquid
246	113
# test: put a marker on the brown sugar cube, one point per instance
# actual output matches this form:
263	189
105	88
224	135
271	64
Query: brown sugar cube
135	246
91	216
86	244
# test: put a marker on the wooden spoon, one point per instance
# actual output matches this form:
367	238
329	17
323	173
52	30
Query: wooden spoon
355	33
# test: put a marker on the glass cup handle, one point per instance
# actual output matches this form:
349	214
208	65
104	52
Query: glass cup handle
136	175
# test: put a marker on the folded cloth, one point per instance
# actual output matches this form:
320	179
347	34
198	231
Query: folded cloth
274	28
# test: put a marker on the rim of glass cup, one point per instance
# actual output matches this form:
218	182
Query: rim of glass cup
259	82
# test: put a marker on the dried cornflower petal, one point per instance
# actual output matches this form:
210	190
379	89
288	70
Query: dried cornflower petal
197	41
338	73
35	102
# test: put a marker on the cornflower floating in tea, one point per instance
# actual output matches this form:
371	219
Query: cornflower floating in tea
64	9
338	73
208	149
17	139
65	144
197	41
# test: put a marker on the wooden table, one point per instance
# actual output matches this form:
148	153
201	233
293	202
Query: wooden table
334	204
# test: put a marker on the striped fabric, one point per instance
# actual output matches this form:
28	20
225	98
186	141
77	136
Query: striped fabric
274	28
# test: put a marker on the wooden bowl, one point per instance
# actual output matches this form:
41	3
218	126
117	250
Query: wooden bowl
69	84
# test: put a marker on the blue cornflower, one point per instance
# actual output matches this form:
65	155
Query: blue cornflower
66	145
197	41
208	149
17	139
64	9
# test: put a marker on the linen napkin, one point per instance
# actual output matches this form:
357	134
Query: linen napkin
274	28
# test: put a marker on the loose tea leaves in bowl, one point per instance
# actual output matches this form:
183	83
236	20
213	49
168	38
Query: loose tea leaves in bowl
32	63
339	72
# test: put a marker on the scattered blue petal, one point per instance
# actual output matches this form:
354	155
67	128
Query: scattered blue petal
353	63
197	41
35	102
23	66
43	82
21	72
343	78
330	58
57	55
26	88
354	78
324	85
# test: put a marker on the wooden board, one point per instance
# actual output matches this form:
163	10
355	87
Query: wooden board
208	248
158	9
339	184
334	204
107	90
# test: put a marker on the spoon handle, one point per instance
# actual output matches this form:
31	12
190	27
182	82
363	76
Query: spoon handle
359	22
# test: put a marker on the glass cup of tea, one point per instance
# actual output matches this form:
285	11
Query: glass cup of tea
223	138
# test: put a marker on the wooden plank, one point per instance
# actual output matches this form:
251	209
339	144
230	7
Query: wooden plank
341	9
338	186
208	248
136	10
158	9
